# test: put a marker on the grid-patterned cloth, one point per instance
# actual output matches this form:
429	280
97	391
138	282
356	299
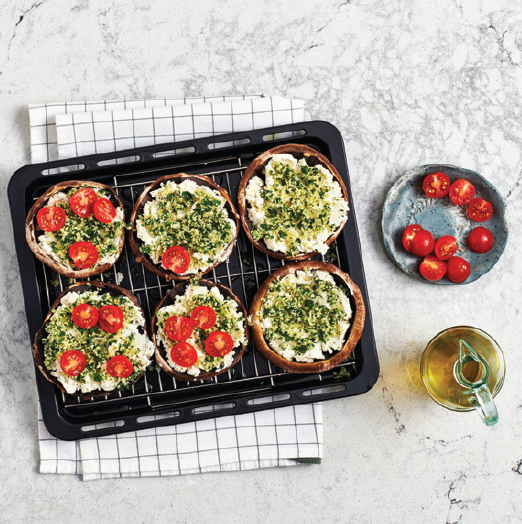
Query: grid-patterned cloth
276	437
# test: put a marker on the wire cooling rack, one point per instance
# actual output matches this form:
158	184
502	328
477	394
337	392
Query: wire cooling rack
253	383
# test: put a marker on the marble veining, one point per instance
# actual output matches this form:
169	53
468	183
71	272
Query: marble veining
407	83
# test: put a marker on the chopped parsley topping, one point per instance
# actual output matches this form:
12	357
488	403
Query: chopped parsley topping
297	203
298	313
105	237
97	345
228	319
189	216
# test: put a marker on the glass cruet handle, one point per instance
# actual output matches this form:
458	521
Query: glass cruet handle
482	399
484	405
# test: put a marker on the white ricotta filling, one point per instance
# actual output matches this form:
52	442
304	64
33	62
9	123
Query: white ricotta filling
320	350
179	309
256	211
150	209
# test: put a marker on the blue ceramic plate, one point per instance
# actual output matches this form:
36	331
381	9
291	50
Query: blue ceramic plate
407	204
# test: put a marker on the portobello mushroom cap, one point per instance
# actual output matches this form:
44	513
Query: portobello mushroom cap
38	347
32	234
256	168
136	243
161	351
351	338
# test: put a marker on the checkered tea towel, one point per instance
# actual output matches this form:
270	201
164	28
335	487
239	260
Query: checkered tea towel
277	437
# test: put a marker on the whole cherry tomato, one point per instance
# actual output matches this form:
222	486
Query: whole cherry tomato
422	243
480	240
458	269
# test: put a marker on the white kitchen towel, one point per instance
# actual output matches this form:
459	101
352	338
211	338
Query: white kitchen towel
276	437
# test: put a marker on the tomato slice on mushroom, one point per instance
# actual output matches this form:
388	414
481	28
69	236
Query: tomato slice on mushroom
219	344
458	269
203	317
409	234
436	185
445	247
480	210
104	211
110	318
178	328
82	202
83	254
51	218
461	192
85	316
431	268
73	362
119	366
176	259
184	355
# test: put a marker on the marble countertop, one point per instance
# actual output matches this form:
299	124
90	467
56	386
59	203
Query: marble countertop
407	83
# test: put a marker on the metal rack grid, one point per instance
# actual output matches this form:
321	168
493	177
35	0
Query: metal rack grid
156	382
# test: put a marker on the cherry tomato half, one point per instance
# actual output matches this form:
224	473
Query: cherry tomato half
409	235
480	210
436	185
119	366
51	218
458	269
110	319
203	317
422	243
178	328
82	202
480	240
461	192
431	268
219	344
83	254
73	362
85	316
445	247
184	355
104	211
177	259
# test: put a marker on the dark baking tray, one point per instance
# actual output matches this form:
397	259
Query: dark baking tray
157	399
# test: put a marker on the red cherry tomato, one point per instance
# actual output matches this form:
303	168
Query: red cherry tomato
177	259
436	185
184	355
409	235
203	317
480	210
178	328
119	366
82	202
85	316
445	247
73	362
219	344
431	268
110	318
51	218
458	269
480	240
83	254
422	243
461	192
104	211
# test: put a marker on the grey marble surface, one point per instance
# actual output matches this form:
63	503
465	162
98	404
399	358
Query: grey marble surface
407	83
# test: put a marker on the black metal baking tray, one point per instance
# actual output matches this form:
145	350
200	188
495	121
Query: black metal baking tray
157	399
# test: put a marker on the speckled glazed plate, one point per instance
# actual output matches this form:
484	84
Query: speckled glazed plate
407	204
